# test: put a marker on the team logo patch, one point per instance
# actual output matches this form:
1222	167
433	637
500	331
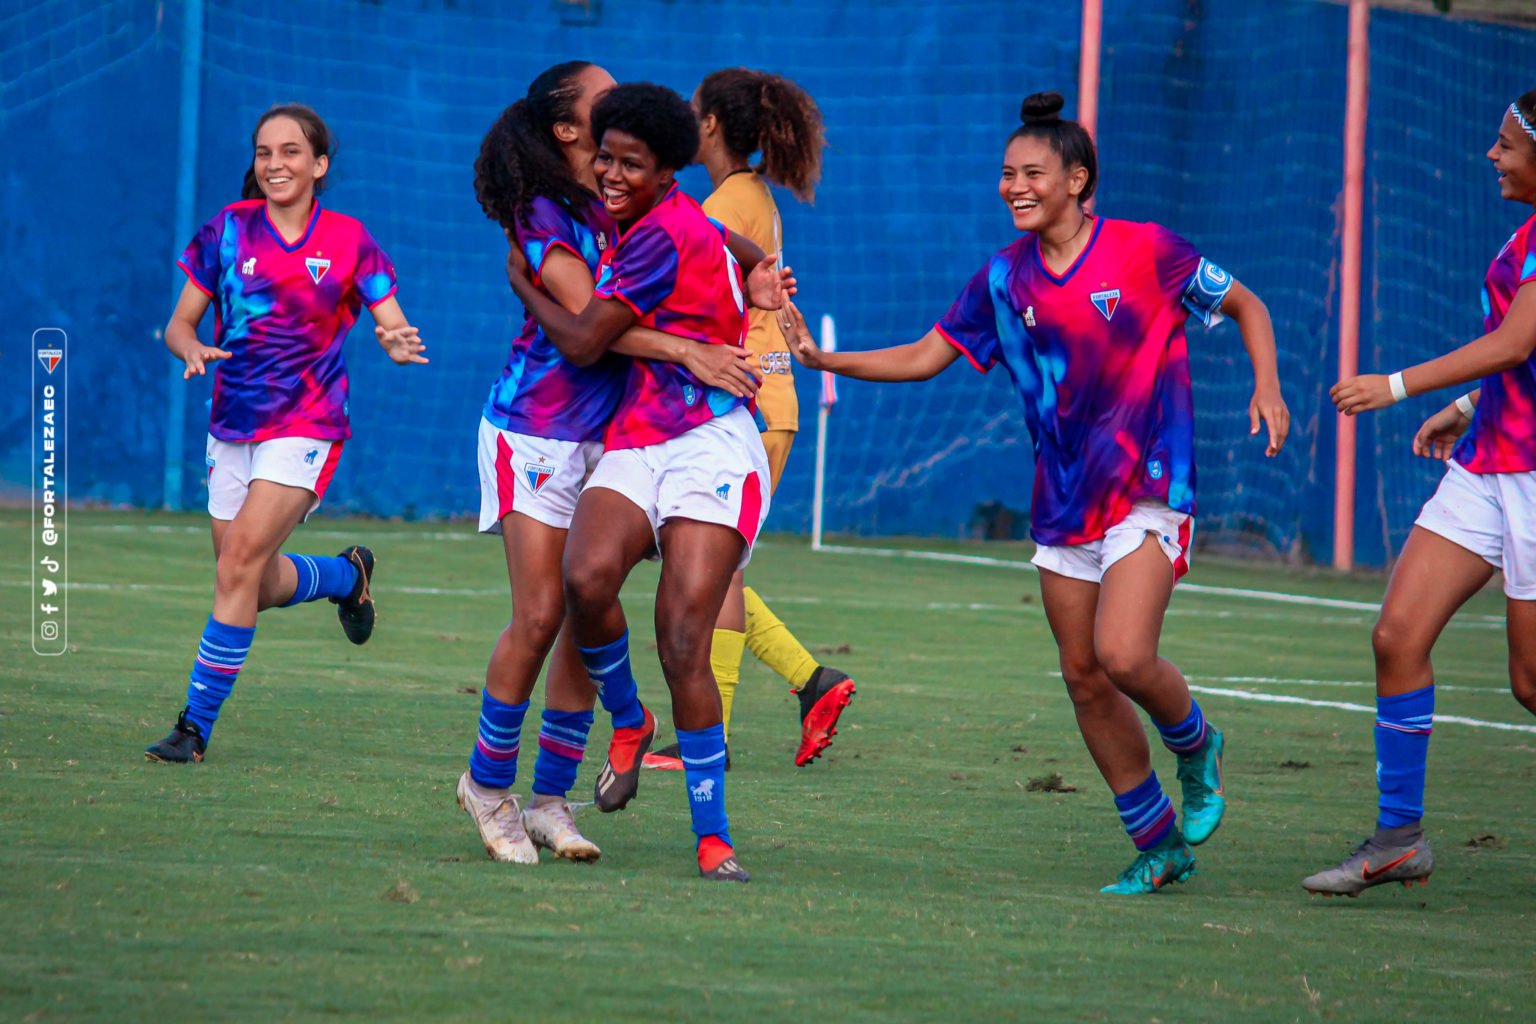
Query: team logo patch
602	241
50	358
316	267
1029	317
538	475
704	792
248	267
310	456
1106	302
723	492
690	395
1155	469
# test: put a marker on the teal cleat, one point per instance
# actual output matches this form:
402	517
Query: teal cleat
1169	861
1204	792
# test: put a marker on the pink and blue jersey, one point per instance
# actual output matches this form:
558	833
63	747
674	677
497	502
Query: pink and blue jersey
1502	437
1098	356
672	268
539	392
282	311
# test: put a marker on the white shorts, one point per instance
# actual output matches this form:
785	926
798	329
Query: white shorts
538	477
292	461
1173	530
1492	515
715	473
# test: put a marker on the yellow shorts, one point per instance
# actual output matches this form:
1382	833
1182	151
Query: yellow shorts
778	443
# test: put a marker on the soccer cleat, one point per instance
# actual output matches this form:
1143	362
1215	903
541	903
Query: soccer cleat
717	861
1370	865
184	744
822	701
1204	791
1169	861
356	609
670	759
499	820
550	825
620	777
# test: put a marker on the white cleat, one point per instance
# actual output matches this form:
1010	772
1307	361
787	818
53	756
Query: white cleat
551	826
499	820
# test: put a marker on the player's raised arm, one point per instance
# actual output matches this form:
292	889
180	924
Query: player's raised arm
582	337
920	360
1503	348
181	332
1250	314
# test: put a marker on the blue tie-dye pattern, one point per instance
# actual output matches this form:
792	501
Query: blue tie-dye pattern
239	307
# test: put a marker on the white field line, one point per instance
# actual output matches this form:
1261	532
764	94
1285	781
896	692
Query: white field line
1346	683
1276	698
1188	588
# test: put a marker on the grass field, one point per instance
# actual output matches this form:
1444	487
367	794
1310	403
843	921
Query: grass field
316	867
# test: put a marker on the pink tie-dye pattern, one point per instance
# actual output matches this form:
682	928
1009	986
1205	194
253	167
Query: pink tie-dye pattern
1502	437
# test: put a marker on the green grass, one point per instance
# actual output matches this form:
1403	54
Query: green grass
316	866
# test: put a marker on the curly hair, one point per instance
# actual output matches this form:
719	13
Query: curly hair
520	158
1041	117
762	112
1526	104
315	133
656	116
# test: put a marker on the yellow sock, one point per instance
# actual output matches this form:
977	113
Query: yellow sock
774	645
725	660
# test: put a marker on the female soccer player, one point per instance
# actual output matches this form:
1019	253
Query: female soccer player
540	436
684	471
1482	518
289	277
742	112
1087	314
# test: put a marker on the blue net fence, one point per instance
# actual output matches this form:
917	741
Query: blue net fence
1220	118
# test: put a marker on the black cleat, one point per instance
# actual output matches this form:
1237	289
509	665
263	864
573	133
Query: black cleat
184	745
356	609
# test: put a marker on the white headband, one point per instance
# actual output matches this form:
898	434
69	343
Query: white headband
1515	109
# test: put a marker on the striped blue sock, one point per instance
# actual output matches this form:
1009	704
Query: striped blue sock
321	576
1403	724
608	666
1186	737
493	762
562	742
1146	813
703	752
220	655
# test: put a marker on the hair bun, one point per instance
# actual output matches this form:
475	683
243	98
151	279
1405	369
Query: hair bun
1042	108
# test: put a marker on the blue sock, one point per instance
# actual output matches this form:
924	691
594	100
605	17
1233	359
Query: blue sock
1186	737
703	752
493	762
319	577
562	741
220	656
608	666
1146	813
1403	724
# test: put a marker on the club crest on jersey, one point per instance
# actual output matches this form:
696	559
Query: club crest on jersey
538	475
1155	469
1029	317
316	267
1106	302
690	395
50	358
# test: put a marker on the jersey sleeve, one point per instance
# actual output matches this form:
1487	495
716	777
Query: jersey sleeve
375	273
200	259
642	270
1188	278
1528	265
547	227
971	323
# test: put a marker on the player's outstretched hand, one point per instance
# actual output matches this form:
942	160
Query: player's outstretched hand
804	347
1267	405
723	366
770	286
1362	394
403	344
198	357
1439	433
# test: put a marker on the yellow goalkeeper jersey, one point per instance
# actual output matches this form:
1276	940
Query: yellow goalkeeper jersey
744	204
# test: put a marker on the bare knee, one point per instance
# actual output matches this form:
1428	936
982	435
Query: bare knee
1522	681
1087	685
590	585
241	564
537	622
683	646
1128	666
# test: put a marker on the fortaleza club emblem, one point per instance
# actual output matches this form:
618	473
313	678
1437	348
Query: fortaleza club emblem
1105	302
538	475
50	358
316	267
690	395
